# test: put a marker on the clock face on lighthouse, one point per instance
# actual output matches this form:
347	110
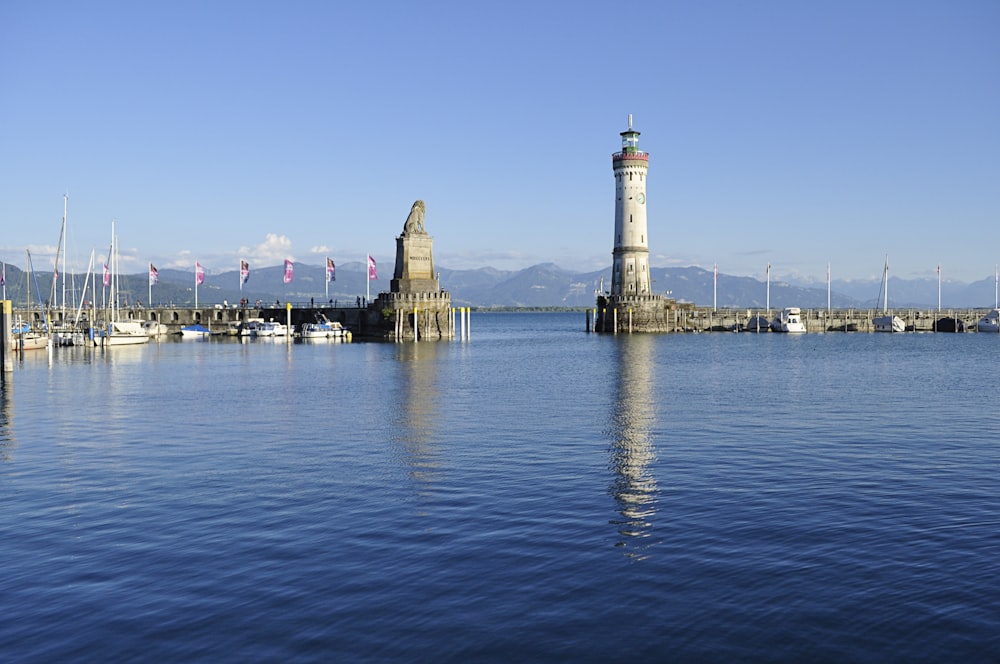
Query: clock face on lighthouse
641	197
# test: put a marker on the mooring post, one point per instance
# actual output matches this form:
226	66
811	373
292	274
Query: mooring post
6	363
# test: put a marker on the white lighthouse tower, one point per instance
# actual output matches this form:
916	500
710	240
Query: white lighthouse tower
631	306
630	269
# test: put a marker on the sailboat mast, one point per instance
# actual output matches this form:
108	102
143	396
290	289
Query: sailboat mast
65	211
885	286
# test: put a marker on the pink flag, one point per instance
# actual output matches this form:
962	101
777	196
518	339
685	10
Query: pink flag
154	274
331	270
372	274
288	271
107	275
244	272
199	274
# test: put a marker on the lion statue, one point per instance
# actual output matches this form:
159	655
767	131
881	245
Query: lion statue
415	221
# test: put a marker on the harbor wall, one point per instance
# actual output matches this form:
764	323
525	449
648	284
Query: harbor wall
704	319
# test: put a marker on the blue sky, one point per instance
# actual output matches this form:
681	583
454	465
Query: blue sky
791	133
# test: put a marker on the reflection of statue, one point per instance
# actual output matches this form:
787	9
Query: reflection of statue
415	222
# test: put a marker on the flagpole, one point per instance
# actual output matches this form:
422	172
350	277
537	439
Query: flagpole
768	289
149	299
4	279
196	284
368	278
715	289
828	289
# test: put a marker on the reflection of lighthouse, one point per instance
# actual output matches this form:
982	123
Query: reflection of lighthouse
632	420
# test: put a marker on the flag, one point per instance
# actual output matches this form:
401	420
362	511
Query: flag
372	274
331	270
199	274
107	275
288	271
154	274
3	275
244	272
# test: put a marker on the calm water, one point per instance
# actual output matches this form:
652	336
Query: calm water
537	493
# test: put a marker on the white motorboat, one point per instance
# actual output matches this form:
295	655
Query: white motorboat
269	328
789	320
195	332
323	328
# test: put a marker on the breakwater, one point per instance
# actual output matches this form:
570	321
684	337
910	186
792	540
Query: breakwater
689	318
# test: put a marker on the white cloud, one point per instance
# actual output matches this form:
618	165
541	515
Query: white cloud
321	249
273	250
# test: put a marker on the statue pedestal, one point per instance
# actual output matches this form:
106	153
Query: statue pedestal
414	272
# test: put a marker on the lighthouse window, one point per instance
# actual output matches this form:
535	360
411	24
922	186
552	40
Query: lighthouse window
630	219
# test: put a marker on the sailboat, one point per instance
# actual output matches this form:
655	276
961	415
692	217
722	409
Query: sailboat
887	322
64	331
23	336
118	332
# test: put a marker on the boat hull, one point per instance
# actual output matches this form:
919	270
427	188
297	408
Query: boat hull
889	324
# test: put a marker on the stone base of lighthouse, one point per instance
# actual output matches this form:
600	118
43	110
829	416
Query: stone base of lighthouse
623	314
428	315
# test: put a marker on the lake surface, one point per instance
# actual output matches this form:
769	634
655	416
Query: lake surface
535	493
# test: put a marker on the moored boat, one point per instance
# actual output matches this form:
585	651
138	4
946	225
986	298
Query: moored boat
323	328
789	320
887	322
155	329
23	337
118	332
758	324
990	322
195	332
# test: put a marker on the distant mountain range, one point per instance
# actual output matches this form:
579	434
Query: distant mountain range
540	286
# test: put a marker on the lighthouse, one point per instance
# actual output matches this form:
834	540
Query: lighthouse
631	305
630	267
